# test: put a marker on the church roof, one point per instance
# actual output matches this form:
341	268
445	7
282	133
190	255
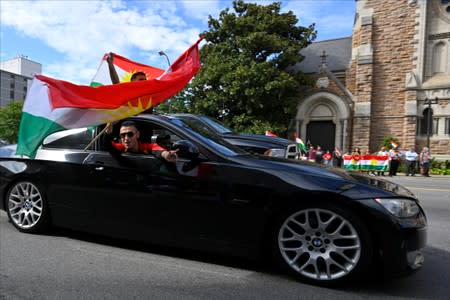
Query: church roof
338	57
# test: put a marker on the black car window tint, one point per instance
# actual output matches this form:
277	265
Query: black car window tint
145	130
208	137
219	127
163	136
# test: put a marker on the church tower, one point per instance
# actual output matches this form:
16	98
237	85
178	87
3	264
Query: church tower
390	78
399	73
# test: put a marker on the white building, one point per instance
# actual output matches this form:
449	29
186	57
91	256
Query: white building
15	78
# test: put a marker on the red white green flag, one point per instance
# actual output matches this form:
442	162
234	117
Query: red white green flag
300	144
369	162
53	105
125	68
270	133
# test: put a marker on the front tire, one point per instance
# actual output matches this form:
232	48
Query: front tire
27	208
322	244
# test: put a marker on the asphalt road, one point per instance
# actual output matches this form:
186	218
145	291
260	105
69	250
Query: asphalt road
70	265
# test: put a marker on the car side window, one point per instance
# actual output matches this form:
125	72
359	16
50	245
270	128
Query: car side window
154	133
77	139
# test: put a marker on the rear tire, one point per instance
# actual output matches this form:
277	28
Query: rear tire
322	244
27	207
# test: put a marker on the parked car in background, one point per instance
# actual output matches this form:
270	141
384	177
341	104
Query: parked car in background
253	143
321	224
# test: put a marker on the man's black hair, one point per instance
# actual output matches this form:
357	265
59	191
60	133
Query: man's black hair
136	74
128	123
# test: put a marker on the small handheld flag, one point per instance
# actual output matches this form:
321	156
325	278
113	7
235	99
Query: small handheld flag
270	133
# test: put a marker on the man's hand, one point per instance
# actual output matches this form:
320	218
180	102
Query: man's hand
109	128
109	58
170	156
112	71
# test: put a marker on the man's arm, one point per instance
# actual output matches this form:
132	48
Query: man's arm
158	151
114	79
112	70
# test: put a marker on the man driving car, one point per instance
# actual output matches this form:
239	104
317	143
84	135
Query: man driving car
130	143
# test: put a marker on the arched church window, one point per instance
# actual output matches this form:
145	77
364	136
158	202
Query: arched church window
439	61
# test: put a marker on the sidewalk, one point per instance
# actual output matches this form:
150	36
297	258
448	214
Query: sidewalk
419	175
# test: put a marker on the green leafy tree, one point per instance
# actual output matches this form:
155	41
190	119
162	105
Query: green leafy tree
246	79
9	121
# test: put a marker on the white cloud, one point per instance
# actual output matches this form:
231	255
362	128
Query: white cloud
84	30
201	9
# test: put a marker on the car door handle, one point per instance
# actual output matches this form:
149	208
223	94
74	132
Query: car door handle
98	165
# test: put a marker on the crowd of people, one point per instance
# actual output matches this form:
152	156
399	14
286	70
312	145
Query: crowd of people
414	161
316	154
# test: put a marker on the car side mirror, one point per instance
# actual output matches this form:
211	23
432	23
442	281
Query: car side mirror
186	149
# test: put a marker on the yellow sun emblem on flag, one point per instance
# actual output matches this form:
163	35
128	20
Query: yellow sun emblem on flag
126	77
132	108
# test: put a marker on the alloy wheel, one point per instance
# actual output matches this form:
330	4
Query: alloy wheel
319	244
25	205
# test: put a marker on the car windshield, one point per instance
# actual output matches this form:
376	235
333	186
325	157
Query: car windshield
219	127
206	136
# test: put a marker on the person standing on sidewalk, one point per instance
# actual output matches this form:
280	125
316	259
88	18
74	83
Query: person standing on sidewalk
319	154
411	158
395	161
337	157
311	154
327	158
424	160
382	152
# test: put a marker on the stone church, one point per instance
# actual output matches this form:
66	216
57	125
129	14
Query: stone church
390	78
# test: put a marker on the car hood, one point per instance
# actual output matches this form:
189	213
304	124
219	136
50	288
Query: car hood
311	176
258	138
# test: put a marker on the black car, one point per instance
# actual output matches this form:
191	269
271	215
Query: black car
253	143
319	223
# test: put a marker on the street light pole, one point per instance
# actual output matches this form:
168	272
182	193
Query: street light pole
162	53
429	121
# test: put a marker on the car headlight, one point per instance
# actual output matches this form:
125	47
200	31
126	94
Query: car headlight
277	152
402	208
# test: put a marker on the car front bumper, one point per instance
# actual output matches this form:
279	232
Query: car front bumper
403	254
399	242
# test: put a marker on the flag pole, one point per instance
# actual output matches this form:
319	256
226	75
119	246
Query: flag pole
96	138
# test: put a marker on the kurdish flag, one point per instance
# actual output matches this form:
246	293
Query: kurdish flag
125	68
53	105
369	162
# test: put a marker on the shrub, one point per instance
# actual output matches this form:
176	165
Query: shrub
439	167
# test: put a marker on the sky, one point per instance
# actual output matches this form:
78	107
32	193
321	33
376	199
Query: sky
69	37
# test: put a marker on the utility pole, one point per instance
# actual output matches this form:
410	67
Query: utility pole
429	121
162	53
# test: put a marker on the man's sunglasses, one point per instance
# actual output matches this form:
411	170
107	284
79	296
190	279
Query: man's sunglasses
129	134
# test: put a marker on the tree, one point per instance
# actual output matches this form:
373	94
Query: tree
9	121
247	79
